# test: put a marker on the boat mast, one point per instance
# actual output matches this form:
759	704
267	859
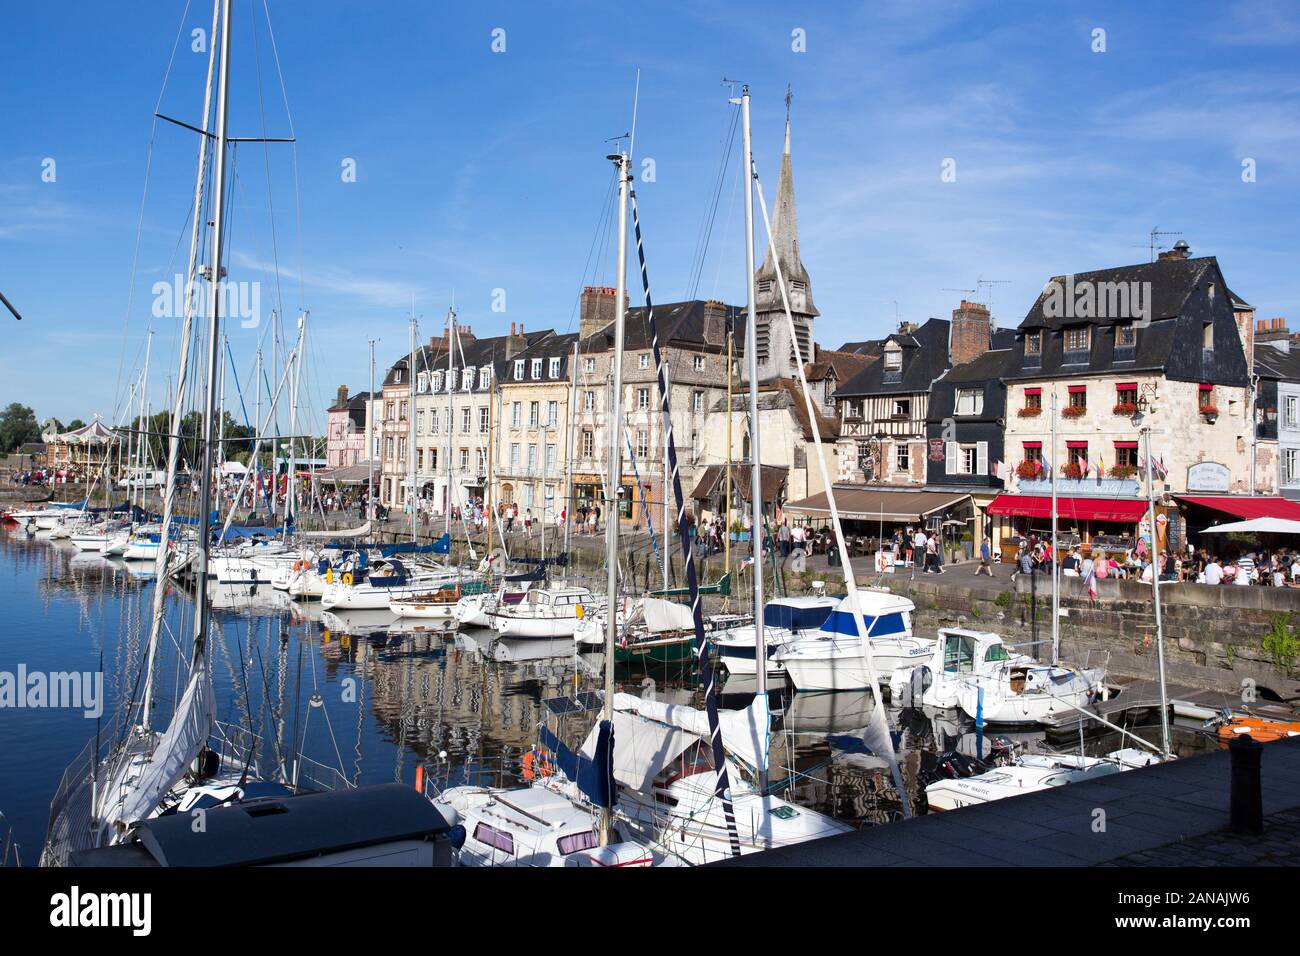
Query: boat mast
257	390
755	469
214	276
667	426
1056	597
163	555
570	500
1155	595
370	440
446	507
291	488
144	415
615	470
726	518
410	431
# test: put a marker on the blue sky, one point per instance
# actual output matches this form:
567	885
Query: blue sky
479	171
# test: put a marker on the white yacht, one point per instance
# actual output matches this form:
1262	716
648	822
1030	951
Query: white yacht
543	613
1031	773
831	657
784	620
974	671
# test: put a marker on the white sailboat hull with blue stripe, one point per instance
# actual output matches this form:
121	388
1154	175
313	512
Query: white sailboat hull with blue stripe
831	658
784	620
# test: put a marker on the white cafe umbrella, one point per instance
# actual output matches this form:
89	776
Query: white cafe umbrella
1257	525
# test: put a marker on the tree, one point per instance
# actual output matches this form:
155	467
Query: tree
75	424
18	426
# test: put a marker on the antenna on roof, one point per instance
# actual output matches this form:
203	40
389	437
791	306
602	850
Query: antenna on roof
966	291
1157	231
981	283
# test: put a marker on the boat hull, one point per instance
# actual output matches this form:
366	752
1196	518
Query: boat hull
842	667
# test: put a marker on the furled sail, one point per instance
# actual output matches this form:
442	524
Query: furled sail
349	534
183	740
652	734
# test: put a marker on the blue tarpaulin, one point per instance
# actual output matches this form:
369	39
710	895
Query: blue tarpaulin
441	546
593	775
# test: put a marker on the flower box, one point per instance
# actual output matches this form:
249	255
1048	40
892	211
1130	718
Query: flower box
1073	471
1030	411
1127	409
1074	411
1123	471
1029	469
1209	410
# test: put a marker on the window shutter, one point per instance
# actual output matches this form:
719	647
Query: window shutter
982	458
950	467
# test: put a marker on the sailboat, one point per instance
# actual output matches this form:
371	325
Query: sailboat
133	806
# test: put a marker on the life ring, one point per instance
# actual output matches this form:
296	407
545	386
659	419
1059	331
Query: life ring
537	763
300	565
347	577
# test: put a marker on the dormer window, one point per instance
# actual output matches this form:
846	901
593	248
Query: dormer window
537	368
969	401
519	369
422	382
893	359
1078	344
467	379
485	377
1033	343
554	371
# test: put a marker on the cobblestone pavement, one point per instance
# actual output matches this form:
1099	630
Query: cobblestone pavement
1279	845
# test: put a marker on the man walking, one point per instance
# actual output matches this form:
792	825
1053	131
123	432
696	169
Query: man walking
986	558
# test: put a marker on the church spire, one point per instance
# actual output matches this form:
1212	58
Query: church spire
785	237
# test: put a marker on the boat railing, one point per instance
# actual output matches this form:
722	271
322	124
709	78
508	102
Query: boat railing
239	743
69	827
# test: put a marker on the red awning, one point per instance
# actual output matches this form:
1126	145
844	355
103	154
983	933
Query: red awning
1078	509
1033	444
1126	444
1076	389
1247	507
1033	391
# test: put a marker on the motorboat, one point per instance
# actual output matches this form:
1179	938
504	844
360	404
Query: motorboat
438	605
830	658
1030	773
383	578
784	619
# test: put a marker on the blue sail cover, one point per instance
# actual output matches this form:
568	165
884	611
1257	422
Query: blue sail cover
841	622
441	546
239	531
593	775
537	574
794	618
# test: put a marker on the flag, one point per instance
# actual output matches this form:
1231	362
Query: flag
1160	465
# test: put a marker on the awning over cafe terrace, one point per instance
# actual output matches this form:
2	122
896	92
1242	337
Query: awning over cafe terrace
1129	511
863	504
1246	506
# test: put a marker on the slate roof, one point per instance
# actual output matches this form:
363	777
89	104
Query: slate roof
1172	281
681	323
1276	364
925	356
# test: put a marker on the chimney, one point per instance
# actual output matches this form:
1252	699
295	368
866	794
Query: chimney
1274	332
970	336
516	341
597	309
715	322
1181	250
343	395
465	334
